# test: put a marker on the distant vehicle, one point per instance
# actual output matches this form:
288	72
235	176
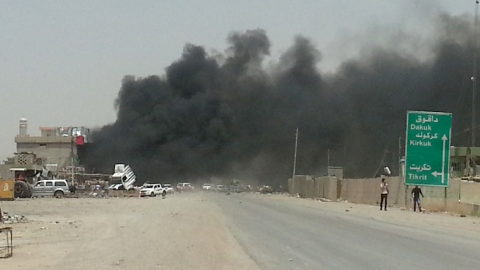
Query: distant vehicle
266	189
152	190
221	188
169	188
207	187
57	188
248	188
184	187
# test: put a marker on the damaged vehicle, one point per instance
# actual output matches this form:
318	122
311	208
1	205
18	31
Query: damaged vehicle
124	176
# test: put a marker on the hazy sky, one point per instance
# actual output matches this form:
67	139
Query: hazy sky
61	62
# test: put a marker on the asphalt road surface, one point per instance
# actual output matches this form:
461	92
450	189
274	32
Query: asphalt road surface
279	234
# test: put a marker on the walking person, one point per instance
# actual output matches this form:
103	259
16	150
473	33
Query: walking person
383	194
416	191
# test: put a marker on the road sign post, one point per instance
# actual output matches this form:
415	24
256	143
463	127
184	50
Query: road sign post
427	148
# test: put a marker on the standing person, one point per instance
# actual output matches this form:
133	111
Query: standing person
73	189
105	189
383	194
416	191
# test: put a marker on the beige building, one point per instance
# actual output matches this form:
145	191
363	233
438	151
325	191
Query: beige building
54	149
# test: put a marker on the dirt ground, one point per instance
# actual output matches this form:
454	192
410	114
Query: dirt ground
183	231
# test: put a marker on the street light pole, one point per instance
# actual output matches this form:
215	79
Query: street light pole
294	161
474	75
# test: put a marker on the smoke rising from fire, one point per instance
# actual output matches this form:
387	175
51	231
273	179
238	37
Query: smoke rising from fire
235	118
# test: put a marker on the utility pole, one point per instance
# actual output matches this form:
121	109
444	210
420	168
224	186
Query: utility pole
474	75
400	171
399	156
294	161
73	167
328	162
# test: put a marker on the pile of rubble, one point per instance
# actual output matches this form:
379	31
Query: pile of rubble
9	219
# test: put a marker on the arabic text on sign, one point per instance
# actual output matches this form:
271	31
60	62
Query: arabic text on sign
428	119
424	167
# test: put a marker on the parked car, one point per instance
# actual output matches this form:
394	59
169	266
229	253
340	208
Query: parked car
207	187
169	188
222	188
152	190
57	188
184	187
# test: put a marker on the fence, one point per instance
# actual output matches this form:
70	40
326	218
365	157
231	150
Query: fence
460	197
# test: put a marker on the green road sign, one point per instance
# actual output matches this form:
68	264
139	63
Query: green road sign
427	148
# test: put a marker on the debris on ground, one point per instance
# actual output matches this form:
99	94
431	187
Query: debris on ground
9	219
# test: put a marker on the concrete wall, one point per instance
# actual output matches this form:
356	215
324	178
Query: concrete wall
5	172
367	191
50	152
460	197
469	191
124	193
309	187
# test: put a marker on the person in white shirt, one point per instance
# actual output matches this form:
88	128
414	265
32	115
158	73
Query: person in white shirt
383	194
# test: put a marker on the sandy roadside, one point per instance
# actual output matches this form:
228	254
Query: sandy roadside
184	231
455	224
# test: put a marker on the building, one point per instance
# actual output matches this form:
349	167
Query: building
335	172
464	161
55	149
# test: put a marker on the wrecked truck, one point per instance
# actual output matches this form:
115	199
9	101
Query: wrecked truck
123	175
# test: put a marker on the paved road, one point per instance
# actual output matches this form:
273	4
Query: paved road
282	235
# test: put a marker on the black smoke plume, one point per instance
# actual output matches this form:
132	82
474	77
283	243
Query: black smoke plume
229	116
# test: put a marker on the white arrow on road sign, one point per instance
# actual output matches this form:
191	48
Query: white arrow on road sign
444	139
435	173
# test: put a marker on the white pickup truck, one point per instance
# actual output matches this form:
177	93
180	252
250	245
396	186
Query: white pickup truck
152	190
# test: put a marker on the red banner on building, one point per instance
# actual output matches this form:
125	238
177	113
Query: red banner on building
80	140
